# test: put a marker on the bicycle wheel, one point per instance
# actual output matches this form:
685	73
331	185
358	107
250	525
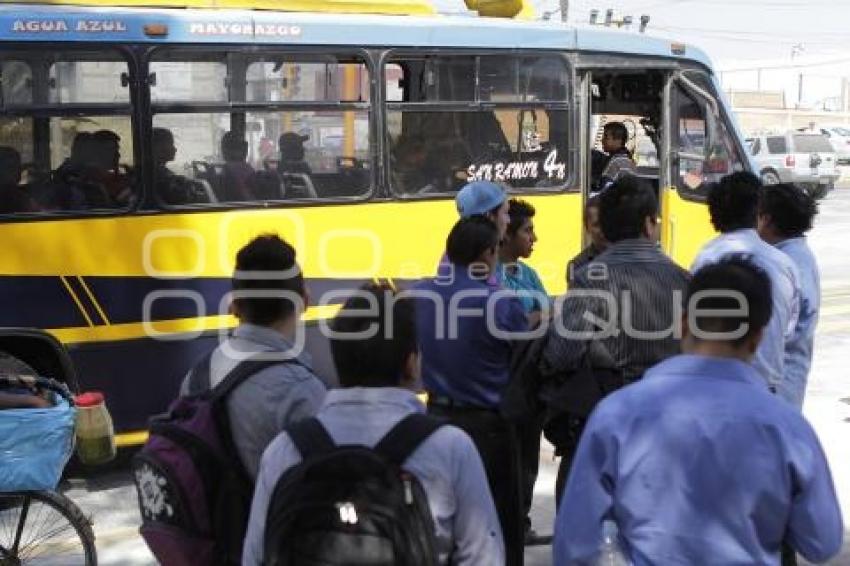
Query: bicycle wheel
44	528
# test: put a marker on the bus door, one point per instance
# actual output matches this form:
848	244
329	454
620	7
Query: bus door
702	149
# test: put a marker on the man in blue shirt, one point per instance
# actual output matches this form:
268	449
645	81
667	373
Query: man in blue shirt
733	205
379	374
464	326
698	463
785	215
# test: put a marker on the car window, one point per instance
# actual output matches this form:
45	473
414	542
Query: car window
808	144
777	144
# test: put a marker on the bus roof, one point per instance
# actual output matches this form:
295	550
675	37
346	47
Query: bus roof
20	22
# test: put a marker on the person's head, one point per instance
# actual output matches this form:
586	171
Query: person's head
785	211
628	209
487	199
473	242
264	266
410	153
83	149
729	305
520	237
234	147
592	225
163	146
374	340
10	167
733	202
291	146
108	149
614	136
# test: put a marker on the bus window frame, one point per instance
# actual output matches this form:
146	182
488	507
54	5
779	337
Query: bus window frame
720	123
228	107
568	105
65	110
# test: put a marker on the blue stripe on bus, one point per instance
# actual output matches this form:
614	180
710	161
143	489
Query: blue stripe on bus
39	302
44	302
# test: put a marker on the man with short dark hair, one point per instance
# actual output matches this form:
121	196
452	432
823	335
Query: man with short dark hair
466	363
281	394
631	292
597	244
687	461
785	215
617	159
379	374
733	205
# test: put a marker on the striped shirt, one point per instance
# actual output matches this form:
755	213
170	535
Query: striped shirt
636	305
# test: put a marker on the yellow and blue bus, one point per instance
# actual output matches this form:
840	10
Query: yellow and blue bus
143	142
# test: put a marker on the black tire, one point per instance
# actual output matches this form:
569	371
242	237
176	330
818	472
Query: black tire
54	531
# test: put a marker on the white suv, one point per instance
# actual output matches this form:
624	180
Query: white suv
805	159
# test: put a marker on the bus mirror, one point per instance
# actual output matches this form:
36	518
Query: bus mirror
152	79
125	79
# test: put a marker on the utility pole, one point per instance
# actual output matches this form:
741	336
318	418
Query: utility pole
565	7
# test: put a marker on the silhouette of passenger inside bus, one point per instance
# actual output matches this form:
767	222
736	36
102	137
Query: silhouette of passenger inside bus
238	174
171	187
13	197
291	146
77	182
106	170
410	174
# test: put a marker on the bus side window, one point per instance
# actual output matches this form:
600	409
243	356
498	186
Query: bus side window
290	151
512	127
67	157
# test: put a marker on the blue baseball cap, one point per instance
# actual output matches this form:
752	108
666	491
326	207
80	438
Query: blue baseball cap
479	197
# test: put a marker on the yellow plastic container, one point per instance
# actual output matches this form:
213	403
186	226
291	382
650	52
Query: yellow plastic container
95	434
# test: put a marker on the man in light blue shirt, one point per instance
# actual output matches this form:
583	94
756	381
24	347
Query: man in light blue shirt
279	395
785	215
733	204
379	374
698	463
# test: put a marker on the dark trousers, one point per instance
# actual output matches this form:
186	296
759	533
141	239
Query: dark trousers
496	441
529	432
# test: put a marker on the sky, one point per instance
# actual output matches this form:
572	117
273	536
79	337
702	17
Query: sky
746	34
734	31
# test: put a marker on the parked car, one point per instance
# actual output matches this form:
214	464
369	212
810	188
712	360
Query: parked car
839	137
806	159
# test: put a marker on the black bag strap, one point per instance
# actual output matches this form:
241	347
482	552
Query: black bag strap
200	378
311	438
406	436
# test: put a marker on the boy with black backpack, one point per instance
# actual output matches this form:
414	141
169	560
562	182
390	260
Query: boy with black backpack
372	479
195	474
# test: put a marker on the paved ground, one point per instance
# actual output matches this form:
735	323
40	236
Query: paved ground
110	500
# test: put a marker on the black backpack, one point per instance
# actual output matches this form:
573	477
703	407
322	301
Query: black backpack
350	504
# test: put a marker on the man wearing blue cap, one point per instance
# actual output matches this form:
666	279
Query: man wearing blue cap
485	199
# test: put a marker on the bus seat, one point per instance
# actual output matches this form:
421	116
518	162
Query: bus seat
298	185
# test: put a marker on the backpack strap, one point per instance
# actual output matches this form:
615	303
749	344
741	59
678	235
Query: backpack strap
311	438
243	370
405	437
200	376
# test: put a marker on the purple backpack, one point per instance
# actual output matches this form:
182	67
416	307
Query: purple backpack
194	493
